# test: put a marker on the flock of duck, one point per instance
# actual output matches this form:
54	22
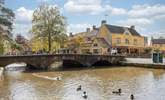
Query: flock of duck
118	92
79	88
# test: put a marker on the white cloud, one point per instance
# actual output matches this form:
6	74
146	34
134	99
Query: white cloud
158	34
148	11
136	21
139	23
22	23
139	11
23	15
83	6
22	29
115	11
75	28
43	0
143	16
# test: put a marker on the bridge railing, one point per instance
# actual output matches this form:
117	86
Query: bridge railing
71	54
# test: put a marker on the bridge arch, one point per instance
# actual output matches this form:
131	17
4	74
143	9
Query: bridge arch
45	60
101	63
19	64
15	64
72	63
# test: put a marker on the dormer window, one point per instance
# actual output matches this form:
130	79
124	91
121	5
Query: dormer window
127	33
88	39
95	45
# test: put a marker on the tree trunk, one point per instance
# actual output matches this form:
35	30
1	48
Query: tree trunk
49	42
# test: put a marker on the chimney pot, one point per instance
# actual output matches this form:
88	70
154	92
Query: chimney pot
88	30
94	27
132	27
103	22
70	34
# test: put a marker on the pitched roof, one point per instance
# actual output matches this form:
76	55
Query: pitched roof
93	33
121	30
134	32
158	41
87	34
103	42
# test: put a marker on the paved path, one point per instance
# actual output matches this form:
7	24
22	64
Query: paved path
143	61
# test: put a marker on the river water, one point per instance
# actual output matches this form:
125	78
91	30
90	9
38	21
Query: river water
144	84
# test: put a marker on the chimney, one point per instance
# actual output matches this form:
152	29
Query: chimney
88	30
70	34
103	22
132	27
94	27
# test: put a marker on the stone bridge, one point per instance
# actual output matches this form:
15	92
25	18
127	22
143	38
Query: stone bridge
43	61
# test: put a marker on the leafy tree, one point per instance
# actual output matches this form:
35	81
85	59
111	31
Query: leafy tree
16	46
75	43
6	21
1	48
6	18
49	25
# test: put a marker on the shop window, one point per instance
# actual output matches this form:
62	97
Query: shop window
96	51
109	50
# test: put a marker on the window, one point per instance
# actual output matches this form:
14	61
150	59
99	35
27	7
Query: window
95	45
88	39
118	41
96	51
127	33
86	51
109	49
135	41
126	41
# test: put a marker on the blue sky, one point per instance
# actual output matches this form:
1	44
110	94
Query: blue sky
148	16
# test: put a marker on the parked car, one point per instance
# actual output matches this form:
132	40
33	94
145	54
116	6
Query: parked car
113	51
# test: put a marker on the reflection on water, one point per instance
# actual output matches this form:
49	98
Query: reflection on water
145	84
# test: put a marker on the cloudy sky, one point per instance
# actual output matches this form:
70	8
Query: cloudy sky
148	16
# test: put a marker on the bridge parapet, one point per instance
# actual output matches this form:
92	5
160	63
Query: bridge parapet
45	60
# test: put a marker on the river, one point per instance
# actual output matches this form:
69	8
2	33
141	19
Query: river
144	84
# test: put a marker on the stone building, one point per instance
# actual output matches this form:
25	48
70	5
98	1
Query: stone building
102	40
125	39
23	43
158	44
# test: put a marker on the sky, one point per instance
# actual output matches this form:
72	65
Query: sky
148	16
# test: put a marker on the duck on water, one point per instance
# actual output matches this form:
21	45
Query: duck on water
117	92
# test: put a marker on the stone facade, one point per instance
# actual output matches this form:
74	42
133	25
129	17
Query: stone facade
158	44
45	61
124	39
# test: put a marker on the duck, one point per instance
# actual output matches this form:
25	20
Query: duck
58	78
117	92
85	95
79	88
132	97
